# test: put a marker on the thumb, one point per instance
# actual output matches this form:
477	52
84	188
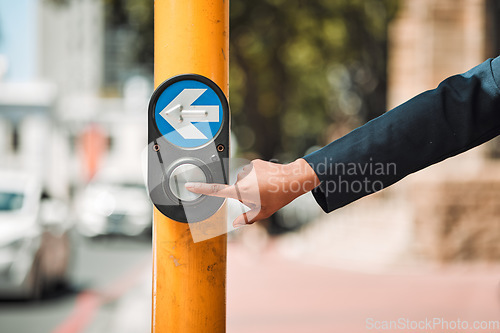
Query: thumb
246	218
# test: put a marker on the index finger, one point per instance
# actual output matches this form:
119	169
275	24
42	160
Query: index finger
215	190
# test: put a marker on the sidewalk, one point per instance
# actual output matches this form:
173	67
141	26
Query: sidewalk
271	294
268	293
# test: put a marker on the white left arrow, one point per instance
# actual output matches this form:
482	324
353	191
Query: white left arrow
180	114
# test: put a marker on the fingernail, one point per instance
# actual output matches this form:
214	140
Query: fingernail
237	225
189	185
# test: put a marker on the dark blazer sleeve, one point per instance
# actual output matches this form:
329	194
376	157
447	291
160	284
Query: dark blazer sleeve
461	113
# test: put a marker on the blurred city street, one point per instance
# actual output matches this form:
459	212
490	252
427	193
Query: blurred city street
267	292
104	271
78	134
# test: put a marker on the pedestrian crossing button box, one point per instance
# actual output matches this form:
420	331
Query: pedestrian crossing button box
188	132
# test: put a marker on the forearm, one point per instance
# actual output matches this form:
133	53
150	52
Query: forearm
463	112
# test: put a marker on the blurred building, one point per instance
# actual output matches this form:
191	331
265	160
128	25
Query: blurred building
70	36
455	204
48	51
52	78
431	40
449	212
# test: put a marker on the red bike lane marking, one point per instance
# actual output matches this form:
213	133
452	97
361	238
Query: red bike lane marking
88	302
86	305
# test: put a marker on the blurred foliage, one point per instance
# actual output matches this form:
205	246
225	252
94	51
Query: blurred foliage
298	68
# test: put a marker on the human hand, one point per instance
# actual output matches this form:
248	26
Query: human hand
264	187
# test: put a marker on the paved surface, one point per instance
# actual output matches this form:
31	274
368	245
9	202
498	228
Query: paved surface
100	266
266	293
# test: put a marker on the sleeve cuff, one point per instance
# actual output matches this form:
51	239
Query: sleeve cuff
495	69
314	160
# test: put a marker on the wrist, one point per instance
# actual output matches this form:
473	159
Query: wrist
304	174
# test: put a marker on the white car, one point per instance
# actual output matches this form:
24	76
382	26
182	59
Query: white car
105	208
34	243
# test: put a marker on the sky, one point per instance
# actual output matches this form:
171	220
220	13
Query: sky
18	38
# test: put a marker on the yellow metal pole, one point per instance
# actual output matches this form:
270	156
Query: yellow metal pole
189	279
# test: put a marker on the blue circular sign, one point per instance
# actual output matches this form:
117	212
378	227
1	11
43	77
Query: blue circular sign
189	113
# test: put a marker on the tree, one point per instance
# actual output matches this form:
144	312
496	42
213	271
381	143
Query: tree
298	66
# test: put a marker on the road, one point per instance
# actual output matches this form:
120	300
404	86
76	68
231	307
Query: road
266	292
103	271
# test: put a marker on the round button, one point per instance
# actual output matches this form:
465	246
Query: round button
183	174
